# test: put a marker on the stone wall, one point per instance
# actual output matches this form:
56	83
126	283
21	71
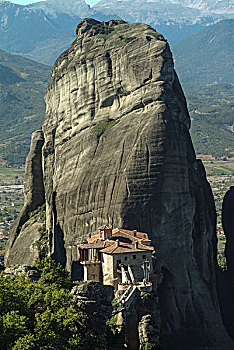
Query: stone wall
136	264
92	272
108	269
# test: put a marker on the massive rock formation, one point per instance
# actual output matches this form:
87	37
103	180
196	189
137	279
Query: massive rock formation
94	299
25	232
225	279
228	226
117	150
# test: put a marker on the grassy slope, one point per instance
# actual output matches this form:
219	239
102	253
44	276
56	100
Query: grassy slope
21	104
206	57
211	111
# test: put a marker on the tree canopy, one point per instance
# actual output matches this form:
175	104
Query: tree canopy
36	315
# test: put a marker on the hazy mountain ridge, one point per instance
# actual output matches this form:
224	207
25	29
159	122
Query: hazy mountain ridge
211	112
191	11
74	8
22	86
32	33
218	6
206	57
204	63
187	55
8	76
41	31
175	19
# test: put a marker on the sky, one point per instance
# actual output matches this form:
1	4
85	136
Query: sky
25	2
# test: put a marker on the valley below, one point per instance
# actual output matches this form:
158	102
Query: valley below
220	175
11	201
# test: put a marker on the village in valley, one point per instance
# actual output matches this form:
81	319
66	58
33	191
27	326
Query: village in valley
11	201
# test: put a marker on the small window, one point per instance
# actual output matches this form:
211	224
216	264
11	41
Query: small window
144	257
125	258
134	256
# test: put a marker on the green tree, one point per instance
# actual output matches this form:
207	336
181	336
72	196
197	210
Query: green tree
28	342
38	314
53	274
222	262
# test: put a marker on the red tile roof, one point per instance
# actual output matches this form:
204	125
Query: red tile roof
94	238
110	246
135	234
122	249
96	244
105	227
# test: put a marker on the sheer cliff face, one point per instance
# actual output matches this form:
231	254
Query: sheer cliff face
117	151
228	226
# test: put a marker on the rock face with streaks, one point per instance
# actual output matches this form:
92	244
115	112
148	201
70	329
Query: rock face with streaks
117	151
148	333
225	278
25	233
228	226
94	299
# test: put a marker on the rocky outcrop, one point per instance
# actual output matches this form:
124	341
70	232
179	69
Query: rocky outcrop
228	227
225	279
27	271
94	299
26	231
117	150
139	325
148	333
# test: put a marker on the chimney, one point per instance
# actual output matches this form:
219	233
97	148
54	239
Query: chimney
117	243
134	233
136	245
107	232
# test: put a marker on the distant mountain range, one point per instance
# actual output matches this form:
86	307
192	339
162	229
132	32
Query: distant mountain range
22	87
30	32
41	31
188	11
175	19
51	8
204	58
207	57
204	62
211	113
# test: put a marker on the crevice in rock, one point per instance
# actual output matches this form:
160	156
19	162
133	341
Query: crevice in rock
147	160
59	252
149	78
109	64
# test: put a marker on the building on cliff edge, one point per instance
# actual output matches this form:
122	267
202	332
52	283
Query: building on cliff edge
118	257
